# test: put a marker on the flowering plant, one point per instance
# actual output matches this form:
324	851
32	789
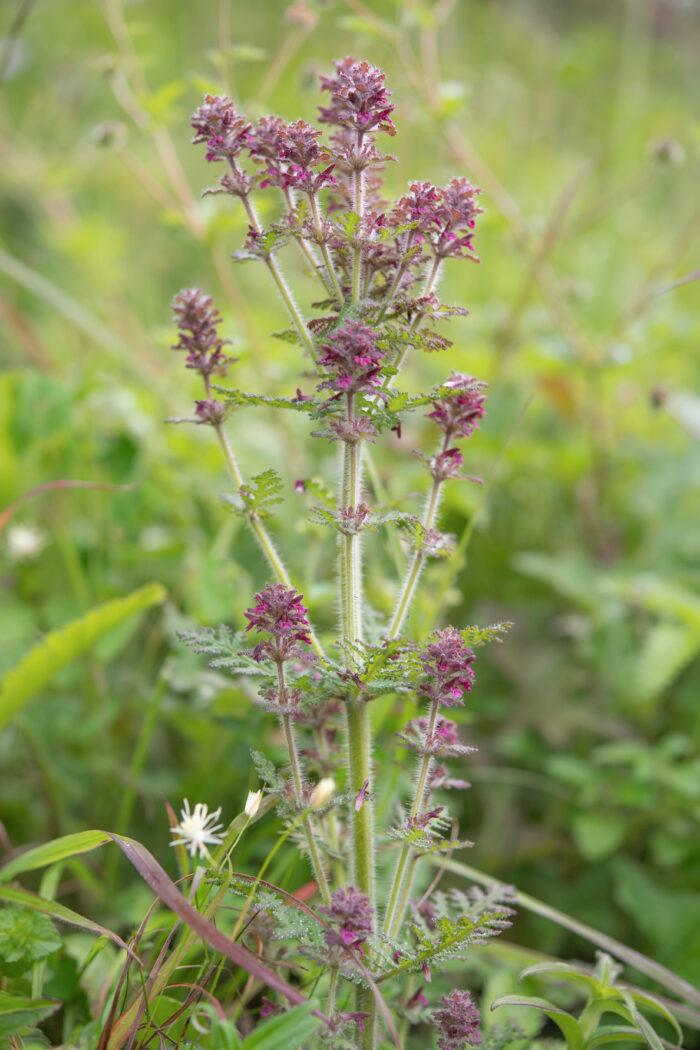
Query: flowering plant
377	263
346	960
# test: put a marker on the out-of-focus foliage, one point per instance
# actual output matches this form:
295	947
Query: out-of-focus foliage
577	120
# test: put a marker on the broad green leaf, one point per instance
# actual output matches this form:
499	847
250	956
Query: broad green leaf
59	648
222	1031
289	1030
645	1026
652	1003
568	1024
26	936
614	1034
598	834
18	1013
561	968
667	649
59	912
51	852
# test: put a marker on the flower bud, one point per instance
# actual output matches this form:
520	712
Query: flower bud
322	792
252	804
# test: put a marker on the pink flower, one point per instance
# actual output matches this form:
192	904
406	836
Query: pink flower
291	153
447	670
457	1021
217	124
198	323
458	414
350	915
353	358
359	99
279	613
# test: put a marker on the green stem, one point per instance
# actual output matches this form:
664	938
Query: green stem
415	323
401	270
333	983
330	269
290	739
306	251
333	833
259	531
409	586
359	188
356	711
282	286
405	866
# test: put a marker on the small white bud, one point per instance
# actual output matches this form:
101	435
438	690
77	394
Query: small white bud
252	804
322	792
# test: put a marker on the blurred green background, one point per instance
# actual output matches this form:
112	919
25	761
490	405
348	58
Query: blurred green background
577	120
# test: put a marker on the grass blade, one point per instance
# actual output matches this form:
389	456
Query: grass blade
59	648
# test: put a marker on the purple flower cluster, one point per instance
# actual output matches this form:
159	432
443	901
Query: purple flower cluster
217	124
446	663
359	99
350	917
444	216
279	613
291	153
353	358
211	411
458	414
446	464
198	322
457	1021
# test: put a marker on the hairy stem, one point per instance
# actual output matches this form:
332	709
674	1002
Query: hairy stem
405	866
330	268
400	271
282	286
306	250
290	739
259	531
356	711
359	193
332	985
429	286
407	591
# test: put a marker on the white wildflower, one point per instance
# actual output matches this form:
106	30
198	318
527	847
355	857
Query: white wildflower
252	804
197	829
322	792
23	542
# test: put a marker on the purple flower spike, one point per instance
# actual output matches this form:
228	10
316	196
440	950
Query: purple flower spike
458	216
447	668
278	612
457	1021
217	124
265	138
359	99
350	915
421	205
459	414
197	323
353	358
212	411
291	153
